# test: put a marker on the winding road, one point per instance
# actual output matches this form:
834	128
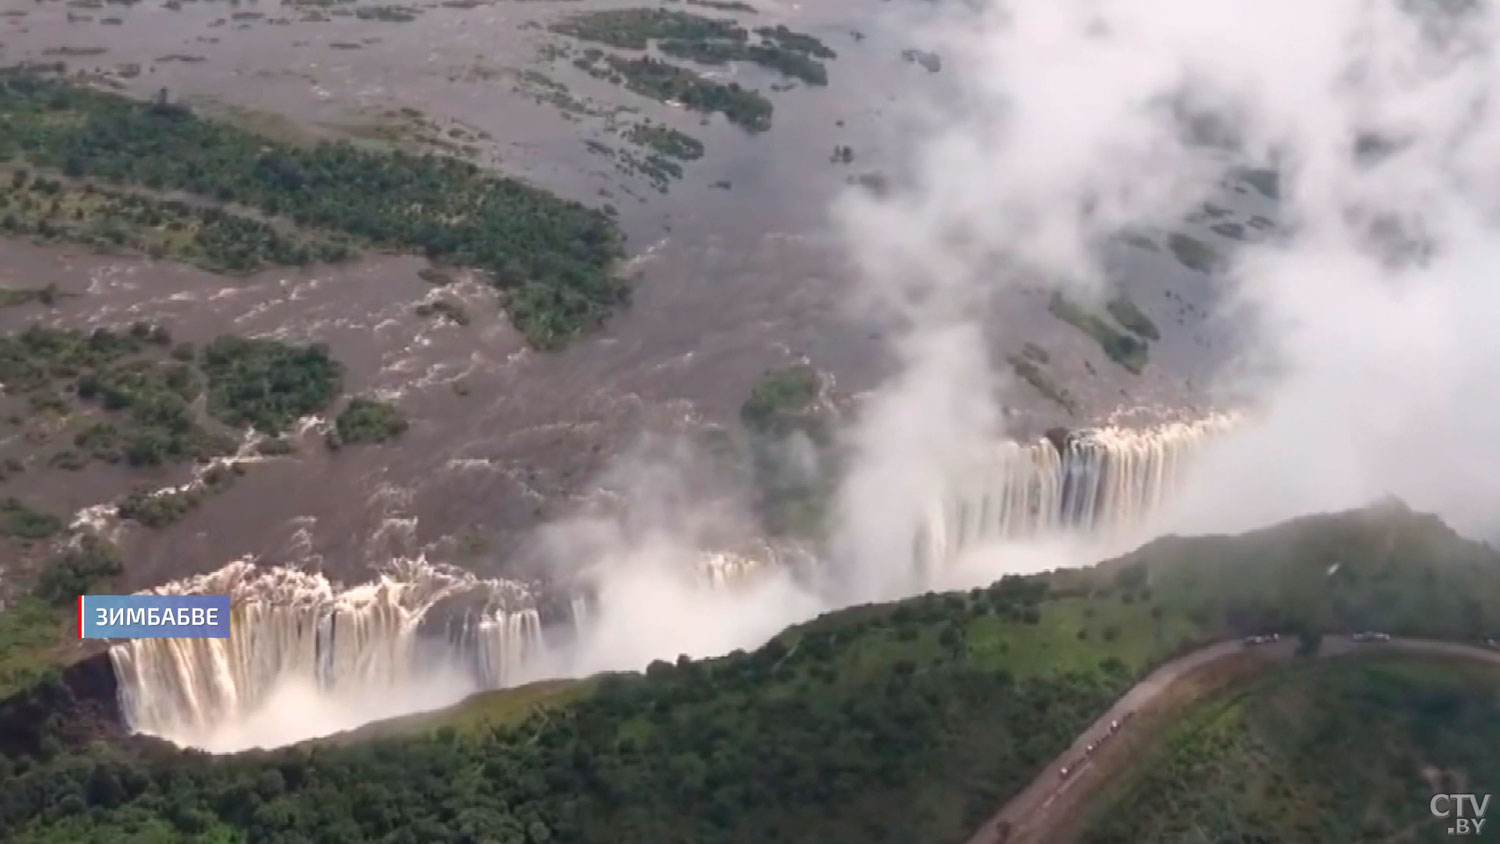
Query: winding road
1037	811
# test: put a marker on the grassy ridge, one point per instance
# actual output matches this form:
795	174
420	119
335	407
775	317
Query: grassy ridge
1349	750
553	257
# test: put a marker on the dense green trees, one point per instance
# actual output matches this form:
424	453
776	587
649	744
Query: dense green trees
444	207
132	403
19	520
111	218
77	569
268	384
367	421
132	392
704	40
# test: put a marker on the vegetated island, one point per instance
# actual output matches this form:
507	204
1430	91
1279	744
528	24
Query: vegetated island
136	398
703	40
1030	366
667	82
553	259
909	721
128	396
698	39
1129	352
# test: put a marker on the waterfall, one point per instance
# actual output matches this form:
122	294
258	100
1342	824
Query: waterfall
1092	482
369	647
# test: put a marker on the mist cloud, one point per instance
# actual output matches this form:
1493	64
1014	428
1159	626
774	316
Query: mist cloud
1370	357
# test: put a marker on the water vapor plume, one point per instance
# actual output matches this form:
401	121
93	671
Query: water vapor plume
1369	348
670	555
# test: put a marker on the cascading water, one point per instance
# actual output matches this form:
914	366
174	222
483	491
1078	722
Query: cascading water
1091	483
364	650
308	658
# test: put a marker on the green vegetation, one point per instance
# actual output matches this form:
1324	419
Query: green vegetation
1123	349
121	398
663	81
129	395
478	713
79	568
899	722
11	297
275	447
268	384
443	309
31	632
655	166
704	40
157	509
797	41
666	141
22	522
111	219
553	258
1194	253
368	421
791	429
783	400
1127	314
1346	750
724	5
634	29
837	735
786	62
389	14
1032	373
36	628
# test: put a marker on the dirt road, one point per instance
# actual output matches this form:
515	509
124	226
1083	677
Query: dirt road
1034	814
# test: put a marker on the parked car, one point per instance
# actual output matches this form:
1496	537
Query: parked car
1372	636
